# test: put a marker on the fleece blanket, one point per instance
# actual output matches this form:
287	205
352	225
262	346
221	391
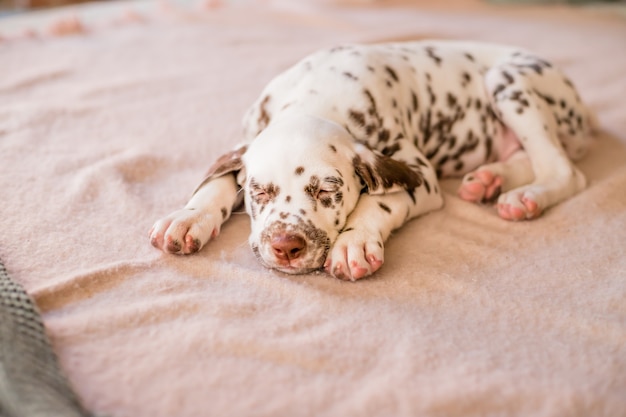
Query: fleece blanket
111	113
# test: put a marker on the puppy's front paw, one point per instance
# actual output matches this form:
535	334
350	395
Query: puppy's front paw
355	254
184	231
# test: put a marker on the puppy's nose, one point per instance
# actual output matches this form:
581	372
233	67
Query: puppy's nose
287	246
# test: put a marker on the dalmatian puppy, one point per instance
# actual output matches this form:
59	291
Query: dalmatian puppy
348	145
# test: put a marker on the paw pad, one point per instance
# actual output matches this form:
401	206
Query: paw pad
480	187
518	206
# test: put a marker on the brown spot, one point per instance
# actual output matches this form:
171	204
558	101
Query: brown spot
335	182
255	250
499	89
333	148
568	82
508	77
384	207
430	51
466	78
431	94
451	99
548	99
357	117
299	170
272	190
383	135
390	150
263	194
326	201
469	56
224	212
264	116
427	186
391	73
350	76
288	199
312	190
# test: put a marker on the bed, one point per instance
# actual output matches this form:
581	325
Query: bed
111	113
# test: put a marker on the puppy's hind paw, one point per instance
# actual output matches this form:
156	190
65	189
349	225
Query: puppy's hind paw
480	186
518	205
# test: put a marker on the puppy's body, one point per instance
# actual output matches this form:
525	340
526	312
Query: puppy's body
347	145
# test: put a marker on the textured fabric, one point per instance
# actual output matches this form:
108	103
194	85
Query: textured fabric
31	383
112	126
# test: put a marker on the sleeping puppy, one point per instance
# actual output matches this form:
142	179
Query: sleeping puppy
348	145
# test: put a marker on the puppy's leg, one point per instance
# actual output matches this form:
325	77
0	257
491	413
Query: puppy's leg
487	182
532	103
359	248
187	230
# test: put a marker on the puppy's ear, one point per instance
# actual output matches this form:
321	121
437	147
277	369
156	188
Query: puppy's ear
381	174
230	162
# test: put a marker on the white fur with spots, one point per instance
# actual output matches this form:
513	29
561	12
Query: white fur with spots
348	144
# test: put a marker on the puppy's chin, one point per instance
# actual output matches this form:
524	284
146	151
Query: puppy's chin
293	267
294	270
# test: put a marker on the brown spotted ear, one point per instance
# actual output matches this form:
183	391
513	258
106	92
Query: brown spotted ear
381	174
230	162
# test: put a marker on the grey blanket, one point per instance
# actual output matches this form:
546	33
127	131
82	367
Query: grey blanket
31	383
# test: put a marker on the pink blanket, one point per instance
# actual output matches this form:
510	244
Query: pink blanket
107	124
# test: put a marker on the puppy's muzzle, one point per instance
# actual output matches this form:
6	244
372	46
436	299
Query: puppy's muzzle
294	248
288	246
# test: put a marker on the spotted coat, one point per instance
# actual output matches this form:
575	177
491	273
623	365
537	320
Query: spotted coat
349	143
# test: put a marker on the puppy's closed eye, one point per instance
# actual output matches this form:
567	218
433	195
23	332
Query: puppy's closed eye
263	194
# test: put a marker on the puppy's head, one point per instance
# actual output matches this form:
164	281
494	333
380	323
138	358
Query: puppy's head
301	179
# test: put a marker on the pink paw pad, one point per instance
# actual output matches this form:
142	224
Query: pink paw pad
357	272
192	245
337	271
508	211
480	186
374	262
